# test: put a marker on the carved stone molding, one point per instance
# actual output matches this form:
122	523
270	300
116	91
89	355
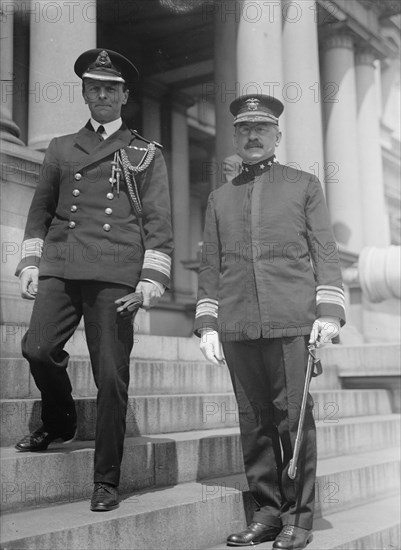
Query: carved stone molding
365	56
340	39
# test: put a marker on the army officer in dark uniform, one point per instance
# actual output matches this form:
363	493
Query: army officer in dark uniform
98	229
269	283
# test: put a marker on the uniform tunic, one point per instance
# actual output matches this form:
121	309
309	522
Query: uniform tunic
79	227
270	264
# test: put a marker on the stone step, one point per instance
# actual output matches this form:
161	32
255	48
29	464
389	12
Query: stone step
146	376
372	526
191	515
180	353
342	481
380	356
372	358
365	373
146	346
65	473
172	413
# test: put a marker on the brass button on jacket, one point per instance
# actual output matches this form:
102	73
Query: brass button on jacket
108	211
71	225
78	176
114	249
74	208
107	227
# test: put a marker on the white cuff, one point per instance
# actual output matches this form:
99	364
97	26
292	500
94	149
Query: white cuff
27	267
161	287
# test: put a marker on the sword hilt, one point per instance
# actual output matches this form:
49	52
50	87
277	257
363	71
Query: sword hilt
292	469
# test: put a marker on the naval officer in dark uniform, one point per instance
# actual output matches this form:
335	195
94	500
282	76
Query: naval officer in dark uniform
269	283
98	229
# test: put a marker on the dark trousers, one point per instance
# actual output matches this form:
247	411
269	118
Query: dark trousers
268	378
58	308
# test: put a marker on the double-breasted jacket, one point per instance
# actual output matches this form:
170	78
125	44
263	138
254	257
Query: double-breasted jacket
82	225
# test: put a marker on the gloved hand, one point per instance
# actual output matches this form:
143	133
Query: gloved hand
129	304
324	330
29	280
151	293
211	347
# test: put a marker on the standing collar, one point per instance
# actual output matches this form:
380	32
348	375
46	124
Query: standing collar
259	167
109	127
251	171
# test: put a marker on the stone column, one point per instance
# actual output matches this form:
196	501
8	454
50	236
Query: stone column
390	69
151	109
180	197
9	131
225	81
21	67
302	87
259	54
341	141
60	31
390	93
370	157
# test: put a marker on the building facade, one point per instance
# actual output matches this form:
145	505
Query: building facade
335	64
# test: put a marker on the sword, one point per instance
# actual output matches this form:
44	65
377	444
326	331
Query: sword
314	368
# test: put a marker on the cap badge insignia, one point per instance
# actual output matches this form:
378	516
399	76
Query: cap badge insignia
252	104
103	59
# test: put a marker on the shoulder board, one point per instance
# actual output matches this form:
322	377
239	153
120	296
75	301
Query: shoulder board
138	136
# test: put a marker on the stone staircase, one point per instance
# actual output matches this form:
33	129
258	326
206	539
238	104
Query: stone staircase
182	483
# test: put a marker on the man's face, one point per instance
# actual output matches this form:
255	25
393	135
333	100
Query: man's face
104	99
256	141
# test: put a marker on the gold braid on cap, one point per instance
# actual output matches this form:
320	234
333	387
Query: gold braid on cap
121	163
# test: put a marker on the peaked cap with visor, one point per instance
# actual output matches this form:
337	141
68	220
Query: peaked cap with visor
105	65
256	108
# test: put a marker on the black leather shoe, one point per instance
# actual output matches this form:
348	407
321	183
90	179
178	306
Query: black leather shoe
104	497
255	533
41	439
293	538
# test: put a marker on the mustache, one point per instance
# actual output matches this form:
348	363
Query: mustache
253	143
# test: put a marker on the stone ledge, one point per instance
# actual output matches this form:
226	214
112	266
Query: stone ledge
376	356
154	414
372	525
65	473
160	518
146	377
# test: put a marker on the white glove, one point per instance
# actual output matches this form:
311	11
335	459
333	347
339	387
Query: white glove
29	279
324	329
151	292
211	347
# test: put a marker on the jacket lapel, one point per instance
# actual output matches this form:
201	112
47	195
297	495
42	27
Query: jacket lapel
86	139
94	150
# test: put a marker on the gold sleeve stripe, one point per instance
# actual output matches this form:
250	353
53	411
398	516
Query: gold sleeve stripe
330	295
207	306
32	247
157	261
